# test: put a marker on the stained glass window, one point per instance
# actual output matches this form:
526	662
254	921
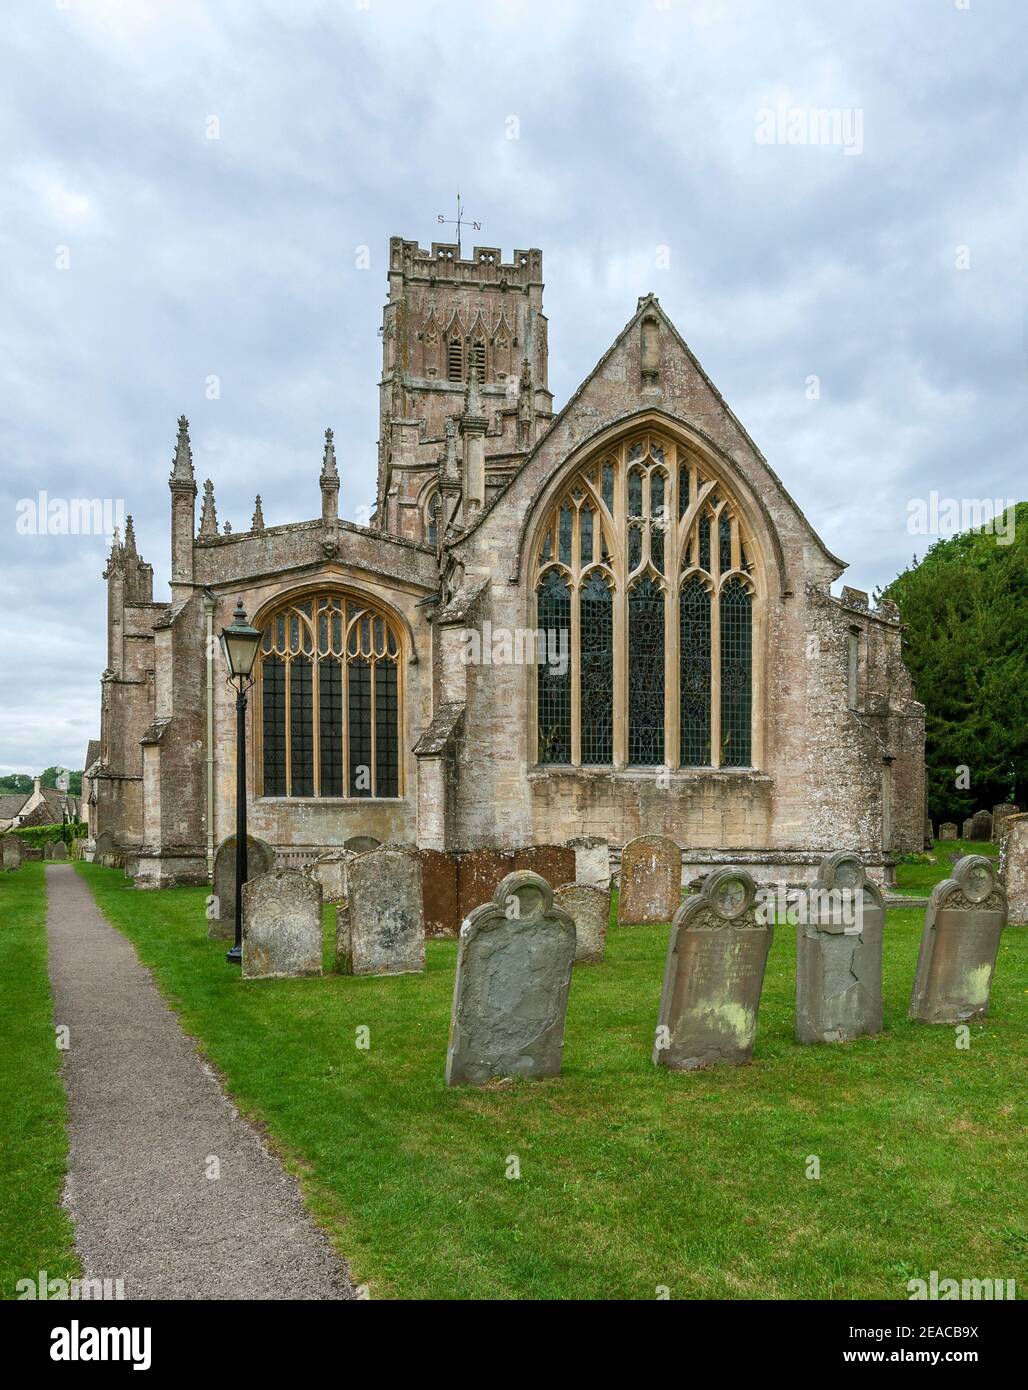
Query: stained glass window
335	658
646	674
736	675
596	615
694	678
626	567
554	713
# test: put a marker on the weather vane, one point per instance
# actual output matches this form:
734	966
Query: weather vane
458	222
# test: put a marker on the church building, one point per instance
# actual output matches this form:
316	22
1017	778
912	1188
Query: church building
607	620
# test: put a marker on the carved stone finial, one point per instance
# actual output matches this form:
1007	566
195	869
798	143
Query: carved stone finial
257	521
182	460
227	528
130	537
208	514
473	397
328	465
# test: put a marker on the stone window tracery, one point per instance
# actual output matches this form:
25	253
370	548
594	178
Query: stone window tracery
646	560
328	710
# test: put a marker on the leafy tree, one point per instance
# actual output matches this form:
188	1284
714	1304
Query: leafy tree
16	782
965	606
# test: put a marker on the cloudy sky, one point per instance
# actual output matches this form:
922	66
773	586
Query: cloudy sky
188	186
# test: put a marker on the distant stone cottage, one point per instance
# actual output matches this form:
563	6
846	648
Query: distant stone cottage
611	621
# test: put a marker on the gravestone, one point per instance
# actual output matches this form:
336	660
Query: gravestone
510	996
948	830
360	844
589	909
1000	815
380	929
13	851
929	833
713	976
965	829
650	887
1013	867
101	846
592	860
481	871
58	851
839	954
981	825
48	849
281	925
330	870
260	858
963	923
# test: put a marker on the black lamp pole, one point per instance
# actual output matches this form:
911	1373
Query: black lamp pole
239	643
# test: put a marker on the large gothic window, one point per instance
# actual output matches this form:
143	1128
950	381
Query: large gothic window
645	564
328	682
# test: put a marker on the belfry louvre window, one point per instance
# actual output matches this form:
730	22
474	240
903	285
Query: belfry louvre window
328	683
646	569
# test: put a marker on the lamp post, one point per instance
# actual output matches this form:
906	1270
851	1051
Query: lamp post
239	644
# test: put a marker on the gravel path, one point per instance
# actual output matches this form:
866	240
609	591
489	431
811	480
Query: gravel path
146	1117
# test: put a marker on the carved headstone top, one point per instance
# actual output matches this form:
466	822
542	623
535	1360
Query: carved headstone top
713	975
510	995
839	954
964	919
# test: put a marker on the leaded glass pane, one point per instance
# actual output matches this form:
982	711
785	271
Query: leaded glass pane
273	705
387	747
330	727
683	491
358	679
725	544
554	685
635	493
301	728
657	495
635	547
596	612
705	543
694	678
736	675
608	486
564	551
646	674
586	536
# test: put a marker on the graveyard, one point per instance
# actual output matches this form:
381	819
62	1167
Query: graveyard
615	1178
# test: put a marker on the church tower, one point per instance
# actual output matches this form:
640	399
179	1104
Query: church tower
450	319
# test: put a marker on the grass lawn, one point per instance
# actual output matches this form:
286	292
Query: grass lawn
919	879
631	1177
35	1231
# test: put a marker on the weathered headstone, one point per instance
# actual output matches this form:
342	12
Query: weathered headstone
48	849
1000	815
1013	867
510	996
589	908
260	858
650	886
963	923
361	844
481	871
330	870
103	845
981	825
948	830
13	851
281	925
839	954
592	860
58	851
929	833
713	976
966	827
380	929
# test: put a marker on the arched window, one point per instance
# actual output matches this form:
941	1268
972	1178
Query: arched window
433	511
646	564
328	683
